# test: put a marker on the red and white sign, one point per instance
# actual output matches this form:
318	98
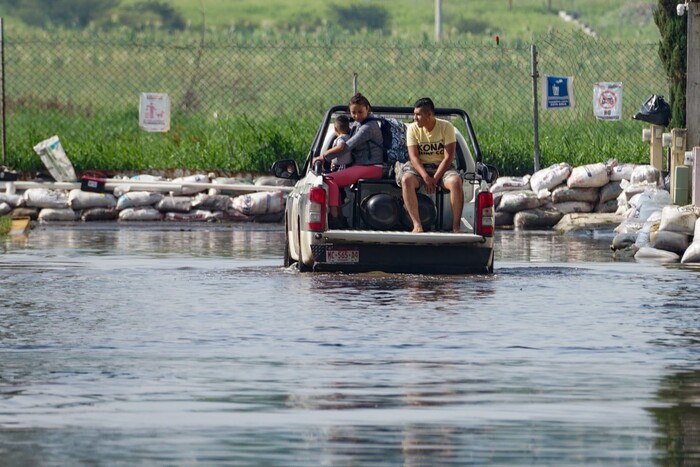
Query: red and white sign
607	101
154	112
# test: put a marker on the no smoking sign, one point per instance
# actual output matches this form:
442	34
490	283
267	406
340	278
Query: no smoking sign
607	101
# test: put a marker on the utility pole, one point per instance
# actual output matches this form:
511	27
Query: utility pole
692	93
438	20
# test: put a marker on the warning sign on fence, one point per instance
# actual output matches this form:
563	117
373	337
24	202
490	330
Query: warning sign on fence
607	101
154	112
557	92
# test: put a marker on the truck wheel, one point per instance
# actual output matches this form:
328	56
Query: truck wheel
489	265
287	256
300	264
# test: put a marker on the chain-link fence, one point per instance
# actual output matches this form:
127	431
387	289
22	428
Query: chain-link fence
79	79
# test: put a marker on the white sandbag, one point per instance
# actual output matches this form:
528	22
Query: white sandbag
45	198
696	231
510	184
12	199
622	172
649	201
197	178
589	176
649	226
228	181
680	219
79	199
147	178
550	177
623	240
172	203
669	241
563	193
54	158
262	202
692	253
138	198
57	215
573	206
655	255
515	201
211	202
609	191
140	213
645	174
5	208
99	214
196	215
536	219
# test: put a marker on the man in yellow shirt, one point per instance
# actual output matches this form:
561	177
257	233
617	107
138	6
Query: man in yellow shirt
431	150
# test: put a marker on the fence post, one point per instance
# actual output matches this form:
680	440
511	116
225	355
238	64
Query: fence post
2	77
535	108
354	84
692	102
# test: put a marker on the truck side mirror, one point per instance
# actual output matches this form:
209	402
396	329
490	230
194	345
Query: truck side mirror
286	168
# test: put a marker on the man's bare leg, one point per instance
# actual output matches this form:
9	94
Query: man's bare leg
454	185
409	185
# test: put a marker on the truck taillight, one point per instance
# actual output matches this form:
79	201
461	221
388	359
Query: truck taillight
484	214
316	209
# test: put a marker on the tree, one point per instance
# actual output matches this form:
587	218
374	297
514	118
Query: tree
69	13
672	51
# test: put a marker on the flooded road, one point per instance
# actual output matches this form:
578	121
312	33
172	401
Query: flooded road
196	347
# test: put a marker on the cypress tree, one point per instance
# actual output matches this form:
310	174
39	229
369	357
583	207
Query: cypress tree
672	51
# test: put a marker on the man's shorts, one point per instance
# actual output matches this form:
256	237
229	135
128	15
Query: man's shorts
407	167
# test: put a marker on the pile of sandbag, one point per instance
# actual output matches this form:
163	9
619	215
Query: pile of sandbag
657	230
540	200
128	204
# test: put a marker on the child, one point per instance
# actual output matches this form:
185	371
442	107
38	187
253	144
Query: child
343	157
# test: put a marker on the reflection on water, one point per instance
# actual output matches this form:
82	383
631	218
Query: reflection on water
195	346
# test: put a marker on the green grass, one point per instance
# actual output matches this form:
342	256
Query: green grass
5	225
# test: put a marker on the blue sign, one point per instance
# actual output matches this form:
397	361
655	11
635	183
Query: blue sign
557	92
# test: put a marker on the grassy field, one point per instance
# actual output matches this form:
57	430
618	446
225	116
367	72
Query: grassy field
254	98
616	19
5	225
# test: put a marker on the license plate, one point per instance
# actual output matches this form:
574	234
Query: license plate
337	255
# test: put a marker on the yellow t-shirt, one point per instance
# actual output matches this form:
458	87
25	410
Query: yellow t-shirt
431	144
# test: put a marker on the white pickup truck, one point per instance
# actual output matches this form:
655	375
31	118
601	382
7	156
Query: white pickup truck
378	237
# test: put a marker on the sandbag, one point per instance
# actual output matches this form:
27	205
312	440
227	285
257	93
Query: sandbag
503	218
645	174
648	253
563	193
138	198
515	201
536	219
680	219
649	226
45	198
623	240
510	184
270	180
5	208
57	215
550	177
196	215
606	207
622	172
692	253
609	191
140	213
669	241
263	202
211	202
589	176
79	199
197	178
12	199
147	178
99	214
172	203
573	206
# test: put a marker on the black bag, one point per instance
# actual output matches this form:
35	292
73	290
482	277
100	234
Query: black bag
655	110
